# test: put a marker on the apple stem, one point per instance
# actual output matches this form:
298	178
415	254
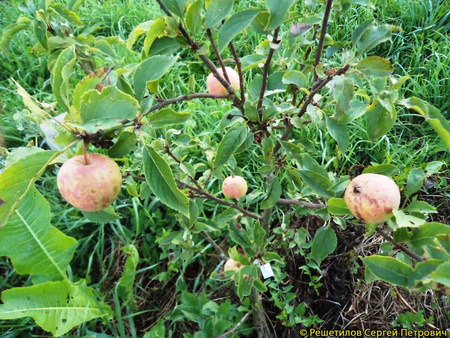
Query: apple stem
85	146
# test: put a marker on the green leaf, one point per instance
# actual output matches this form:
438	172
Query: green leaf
320	184
137	31
278	10
367	36
260	22
421	207
151	69
273	194
159	177
375	66
175	6
18	178
194	18
11	30
441	274
57	307
311	172
124	145
415	180
403	220
357	109
422	270
230	143
245	286
164	46
338	131
126	281
67	14
272	256
40	31
60	76
35	247
433	167
233	26
259	236
155	31
240	236
89	82
379	120
432	115
259	285
157	331
337	206
217	11
38	114
295	77
74	4
389	269
106	109
167	116
343	93
382	169
426	234
324	243
106	215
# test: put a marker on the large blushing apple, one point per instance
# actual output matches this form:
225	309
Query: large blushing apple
234	186
372	197
90	186
216	88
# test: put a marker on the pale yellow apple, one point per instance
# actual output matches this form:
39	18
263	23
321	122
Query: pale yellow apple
234	186
372	197
232	265
216	88
92	186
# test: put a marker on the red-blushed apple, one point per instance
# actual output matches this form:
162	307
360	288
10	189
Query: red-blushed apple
372	197
92	186
234	186
216	88
232	265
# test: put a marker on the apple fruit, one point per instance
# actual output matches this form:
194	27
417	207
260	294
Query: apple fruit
372	197
90	186
216	88
234	186
232	265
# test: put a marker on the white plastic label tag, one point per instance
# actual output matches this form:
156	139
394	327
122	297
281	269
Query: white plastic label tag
266	270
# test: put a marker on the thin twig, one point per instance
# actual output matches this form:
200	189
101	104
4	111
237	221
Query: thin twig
305	204
400	246
233	330
266	70
186	98
221	201
238	104
204	194
216	51
239	68
316	88
323	33
214	244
